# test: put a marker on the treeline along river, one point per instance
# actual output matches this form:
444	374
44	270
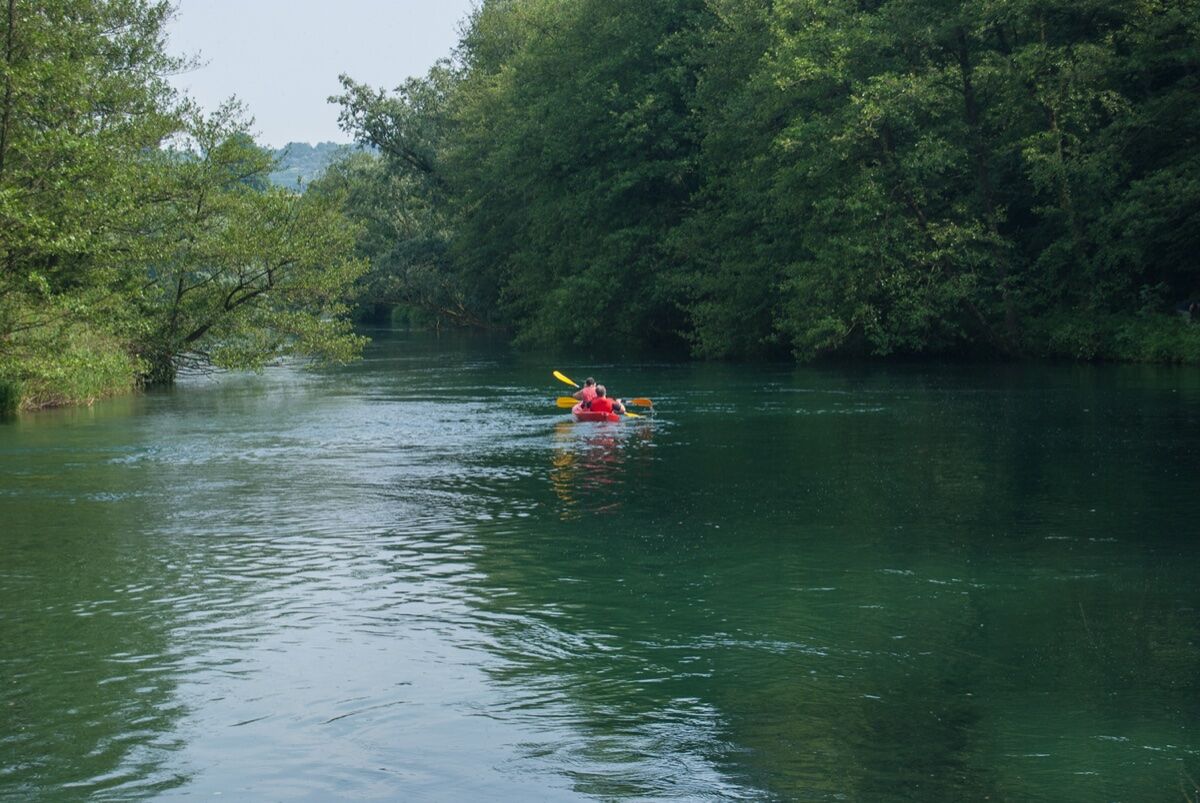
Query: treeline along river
414	577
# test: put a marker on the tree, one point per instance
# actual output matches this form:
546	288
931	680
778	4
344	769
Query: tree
83	102
805	177
245	272
403	198
574	157
135	236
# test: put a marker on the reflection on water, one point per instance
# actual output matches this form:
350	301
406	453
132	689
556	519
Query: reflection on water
925	584
588	470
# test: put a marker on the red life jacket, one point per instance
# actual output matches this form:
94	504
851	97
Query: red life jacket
601	404
587	393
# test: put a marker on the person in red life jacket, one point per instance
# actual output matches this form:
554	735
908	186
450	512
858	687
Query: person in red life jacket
603	404
586	393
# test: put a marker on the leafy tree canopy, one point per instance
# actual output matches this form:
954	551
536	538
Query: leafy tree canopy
137	235
800	177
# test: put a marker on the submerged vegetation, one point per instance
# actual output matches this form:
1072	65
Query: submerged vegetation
740	179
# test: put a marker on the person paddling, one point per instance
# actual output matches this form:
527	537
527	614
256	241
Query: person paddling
586	393
603	404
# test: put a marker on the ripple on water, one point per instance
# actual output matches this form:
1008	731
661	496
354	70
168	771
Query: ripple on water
372	582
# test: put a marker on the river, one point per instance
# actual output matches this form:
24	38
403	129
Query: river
414	578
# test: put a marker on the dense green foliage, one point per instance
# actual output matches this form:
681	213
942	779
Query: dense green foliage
136	234
746	178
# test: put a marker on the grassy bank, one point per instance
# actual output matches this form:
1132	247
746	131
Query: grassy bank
78	368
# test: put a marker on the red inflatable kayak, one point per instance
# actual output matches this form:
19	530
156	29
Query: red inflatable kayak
587	415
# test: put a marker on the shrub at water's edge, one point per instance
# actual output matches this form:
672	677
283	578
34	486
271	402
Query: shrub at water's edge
80	367
1124	338
10	397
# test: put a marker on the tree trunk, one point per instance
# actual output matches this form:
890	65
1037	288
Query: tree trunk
161	369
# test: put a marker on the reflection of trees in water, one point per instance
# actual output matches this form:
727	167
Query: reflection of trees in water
695	684
914	603
136	587
89	661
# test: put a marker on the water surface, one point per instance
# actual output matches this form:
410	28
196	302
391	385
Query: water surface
415	578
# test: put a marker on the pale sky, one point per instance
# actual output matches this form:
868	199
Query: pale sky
282	57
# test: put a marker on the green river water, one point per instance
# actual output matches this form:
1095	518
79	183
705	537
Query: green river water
414	578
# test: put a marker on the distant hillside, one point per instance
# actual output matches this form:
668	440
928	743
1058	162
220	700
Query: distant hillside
301	163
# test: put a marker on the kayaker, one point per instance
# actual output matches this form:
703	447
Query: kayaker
588	392
603	404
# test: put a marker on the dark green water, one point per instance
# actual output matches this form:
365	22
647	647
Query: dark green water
412	578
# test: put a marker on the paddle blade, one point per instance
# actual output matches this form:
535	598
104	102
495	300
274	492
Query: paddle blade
561	377
633	415
640	401
566	401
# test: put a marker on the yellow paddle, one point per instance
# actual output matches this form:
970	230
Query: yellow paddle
567	401
571	401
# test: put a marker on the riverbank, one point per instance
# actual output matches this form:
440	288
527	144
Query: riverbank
83	368
90	367
1158	338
